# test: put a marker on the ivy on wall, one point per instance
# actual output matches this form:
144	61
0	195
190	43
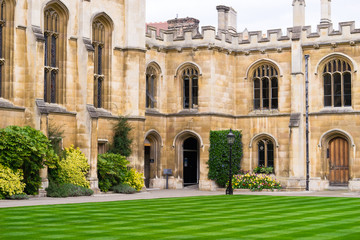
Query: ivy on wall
219	154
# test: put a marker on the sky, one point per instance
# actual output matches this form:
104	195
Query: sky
254	15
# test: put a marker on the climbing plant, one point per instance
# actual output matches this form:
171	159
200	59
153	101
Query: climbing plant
219	154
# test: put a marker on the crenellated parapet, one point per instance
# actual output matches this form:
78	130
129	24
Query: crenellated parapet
252	41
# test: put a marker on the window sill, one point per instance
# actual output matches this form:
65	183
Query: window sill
337	110
5	104
265	112
189	111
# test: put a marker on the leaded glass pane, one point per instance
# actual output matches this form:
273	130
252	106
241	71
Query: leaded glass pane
194	91
337	90
347	89
265	93
186	92
327	90
261	153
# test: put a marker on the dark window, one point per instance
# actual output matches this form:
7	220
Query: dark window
257	93
265	153
265	87
99	46
50	59
337	84
190	88
151	76
2	60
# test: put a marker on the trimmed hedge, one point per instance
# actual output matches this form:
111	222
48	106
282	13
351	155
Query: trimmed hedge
67	190
219	156
124	188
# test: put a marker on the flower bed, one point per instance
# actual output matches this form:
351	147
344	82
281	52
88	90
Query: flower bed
255	182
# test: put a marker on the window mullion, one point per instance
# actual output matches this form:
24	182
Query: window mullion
266	154
261	93
332	91
190	92
342	90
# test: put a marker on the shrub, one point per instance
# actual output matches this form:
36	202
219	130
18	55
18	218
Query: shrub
124	188
122	141
255	182
25	148
71	169
112	170
262	169
55	135
20	196
67	190
10	182
135	179
219	156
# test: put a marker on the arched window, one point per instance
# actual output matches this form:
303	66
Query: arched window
2	37
265	153
337	83
265	79
190	77
6	46
55	21
101	40
151	89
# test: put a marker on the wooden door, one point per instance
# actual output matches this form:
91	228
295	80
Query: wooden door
339	162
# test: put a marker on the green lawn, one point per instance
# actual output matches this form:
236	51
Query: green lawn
210	217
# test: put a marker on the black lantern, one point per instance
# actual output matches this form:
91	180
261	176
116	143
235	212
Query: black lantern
230	140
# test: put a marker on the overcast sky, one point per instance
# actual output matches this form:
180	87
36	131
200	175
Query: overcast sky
252	14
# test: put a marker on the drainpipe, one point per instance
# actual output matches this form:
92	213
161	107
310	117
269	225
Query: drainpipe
307	120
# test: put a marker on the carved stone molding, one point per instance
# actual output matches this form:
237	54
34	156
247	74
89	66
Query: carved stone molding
39	35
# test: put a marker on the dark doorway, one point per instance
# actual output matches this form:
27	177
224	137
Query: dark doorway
190	161
339	162
147	166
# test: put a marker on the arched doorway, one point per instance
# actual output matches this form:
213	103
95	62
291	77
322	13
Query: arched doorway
338	156
152	159
190	161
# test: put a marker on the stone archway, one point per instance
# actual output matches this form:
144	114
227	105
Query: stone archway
337	157
152	159
187	171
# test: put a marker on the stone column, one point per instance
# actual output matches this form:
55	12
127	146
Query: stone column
44	171
297	139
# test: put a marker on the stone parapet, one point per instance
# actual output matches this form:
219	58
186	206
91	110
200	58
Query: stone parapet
252	41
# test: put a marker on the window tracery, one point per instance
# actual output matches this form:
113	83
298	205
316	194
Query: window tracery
337	83
151	89
190	77
265	78
101	41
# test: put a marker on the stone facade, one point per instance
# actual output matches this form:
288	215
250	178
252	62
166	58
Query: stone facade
199	81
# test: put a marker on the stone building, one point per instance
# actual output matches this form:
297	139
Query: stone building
81	63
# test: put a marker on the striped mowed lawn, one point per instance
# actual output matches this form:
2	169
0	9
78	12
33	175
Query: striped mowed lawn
209	217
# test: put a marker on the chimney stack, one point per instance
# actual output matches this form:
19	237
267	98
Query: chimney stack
227	18
298	13
325	12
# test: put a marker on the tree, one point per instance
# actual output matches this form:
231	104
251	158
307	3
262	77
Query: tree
122	141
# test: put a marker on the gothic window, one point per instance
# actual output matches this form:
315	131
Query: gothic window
101	40
337	83
2	37
265	153
6	46
55	40
190	77
151	79
265	80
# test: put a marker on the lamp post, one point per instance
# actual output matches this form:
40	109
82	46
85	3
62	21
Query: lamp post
230	140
